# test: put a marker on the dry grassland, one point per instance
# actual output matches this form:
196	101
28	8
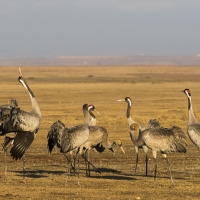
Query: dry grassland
61	92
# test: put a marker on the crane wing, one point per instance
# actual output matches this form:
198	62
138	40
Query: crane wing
8	140
74	137
21	143
20	121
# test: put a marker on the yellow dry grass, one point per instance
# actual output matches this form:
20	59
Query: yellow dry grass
61	92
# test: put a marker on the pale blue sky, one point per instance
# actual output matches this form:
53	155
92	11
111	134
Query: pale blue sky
45	28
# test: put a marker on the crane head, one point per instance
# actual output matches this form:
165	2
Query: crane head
127	99
187	92
91	107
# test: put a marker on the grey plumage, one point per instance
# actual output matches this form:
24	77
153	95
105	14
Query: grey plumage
163	140
193	128
53	135
5	111
67	139
135	134
24	124
73	138
90	119
86	114
98	137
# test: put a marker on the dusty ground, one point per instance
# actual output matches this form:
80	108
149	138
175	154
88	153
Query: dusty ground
61	92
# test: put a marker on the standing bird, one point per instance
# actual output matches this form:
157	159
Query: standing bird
4	114
135	134
24	124
163	140
68	139
98	137
193	128
90	119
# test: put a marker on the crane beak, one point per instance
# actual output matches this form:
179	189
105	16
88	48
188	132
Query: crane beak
20	73
121	100
122	149
97	112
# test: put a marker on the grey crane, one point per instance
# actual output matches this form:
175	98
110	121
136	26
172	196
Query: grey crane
98	138
163	140
90	119
68	139
5	110
193	128
24	124
133	135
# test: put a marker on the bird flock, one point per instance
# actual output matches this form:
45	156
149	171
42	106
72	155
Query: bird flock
20	128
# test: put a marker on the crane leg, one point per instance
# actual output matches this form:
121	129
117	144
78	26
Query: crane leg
69	167
155	170
170	171
5	165
24	168
146	165
136	162
68	174
74	167
91	164
78	168
145	151
87	163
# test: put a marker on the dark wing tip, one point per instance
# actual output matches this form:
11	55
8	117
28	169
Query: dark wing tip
22	142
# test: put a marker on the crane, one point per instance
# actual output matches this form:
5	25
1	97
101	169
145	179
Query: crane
98	137
133	135
24	124
193	128
163	140
68	139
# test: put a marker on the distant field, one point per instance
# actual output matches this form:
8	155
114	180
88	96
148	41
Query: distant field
61	92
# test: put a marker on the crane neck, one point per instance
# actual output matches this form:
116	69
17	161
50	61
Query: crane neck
91	114
92	121
191	117
128	111
86	117
35	107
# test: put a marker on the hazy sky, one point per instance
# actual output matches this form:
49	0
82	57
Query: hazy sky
44	28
